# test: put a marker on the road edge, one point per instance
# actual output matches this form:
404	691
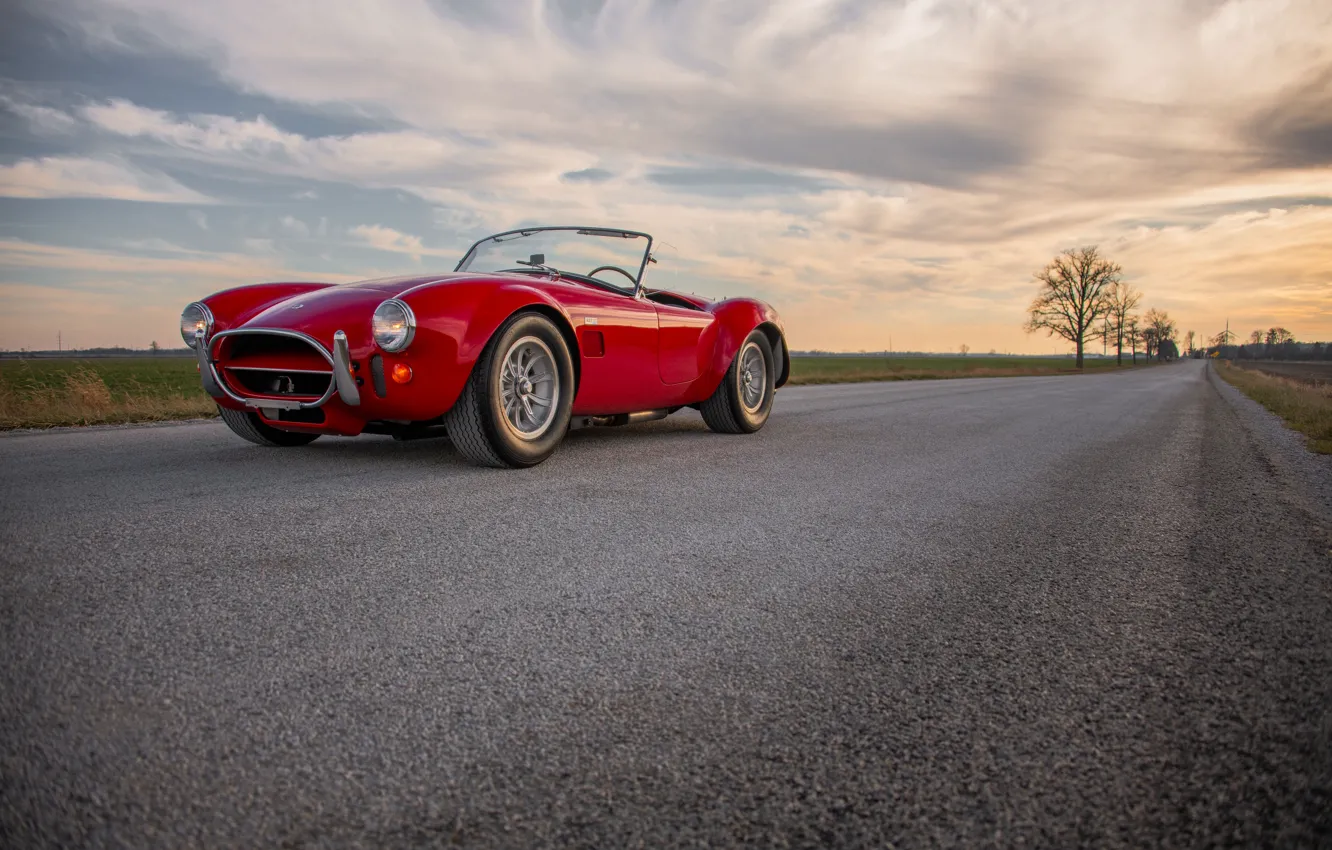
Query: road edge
109	426
1283	448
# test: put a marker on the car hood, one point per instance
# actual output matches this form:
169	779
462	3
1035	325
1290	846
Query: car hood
343	307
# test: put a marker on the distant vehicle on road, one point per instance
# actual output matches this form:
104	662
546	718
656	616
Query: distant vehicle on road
536	331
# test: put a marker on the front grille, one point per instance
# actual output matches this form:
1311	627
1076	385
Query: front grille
269	365
249	380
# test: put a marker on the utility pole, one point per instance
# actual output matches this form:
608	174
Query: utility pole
60	343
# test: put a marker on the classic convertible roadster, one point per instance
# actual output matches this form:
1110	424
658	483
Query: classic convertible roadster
537	331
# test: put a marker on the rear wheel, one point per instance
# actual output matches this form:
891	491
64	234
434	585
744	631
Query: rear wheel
250	427
743	401
515	407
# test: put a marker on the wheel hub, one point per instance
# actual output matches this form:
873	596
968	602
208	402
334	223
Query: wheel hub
753	377
529	387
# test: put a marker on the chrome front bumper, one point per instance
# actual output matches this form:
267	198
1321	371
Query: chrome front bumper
343	383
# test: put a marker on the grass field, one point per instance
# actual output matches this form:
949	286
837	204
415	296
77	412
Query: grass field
1306	407
1317	372
836	370
41	393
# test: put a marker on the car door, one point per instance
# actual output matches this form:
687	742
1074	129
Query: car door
683	336
617	345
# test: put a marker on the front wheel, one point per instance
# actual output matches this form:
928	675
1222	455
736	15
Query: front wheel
250	427
743	401
516	404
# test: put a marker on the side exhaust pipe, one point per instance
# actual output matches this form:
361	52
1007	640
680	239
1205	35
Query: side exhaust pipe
620	419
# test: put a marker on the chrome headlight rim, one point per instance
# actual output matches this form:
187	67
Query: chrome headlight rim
408	318
207	318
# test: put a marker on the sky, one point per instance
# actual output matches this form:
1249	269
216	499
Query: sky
883	173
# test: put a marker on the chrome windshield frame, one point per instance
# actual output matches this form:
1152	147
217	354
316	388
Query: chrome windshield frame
609	232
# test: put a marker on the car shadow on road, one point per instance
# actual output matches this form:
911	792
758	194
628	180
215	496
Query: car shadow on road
381	451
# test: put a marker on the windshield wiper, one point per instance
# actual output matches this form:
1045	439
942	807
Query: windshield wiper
508	237
598	232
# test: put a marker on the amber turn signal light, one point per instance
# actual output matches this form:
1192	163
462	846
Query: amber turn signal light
402	373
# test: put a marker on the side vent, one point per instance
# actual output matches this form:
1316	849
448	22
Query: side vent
592	343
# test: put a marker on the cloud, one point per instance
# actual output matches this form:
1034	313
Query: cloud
199	219
294	226
430	165
44	120
73	177
917	90
1296	130
17	253
392	241
730	180
587	175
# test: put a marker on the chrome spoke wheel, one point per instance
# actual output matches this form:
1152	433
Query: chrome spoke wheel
753	377
529	387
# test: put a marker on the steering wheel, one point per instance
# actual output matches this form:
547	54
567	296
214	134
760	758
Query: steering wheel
632	279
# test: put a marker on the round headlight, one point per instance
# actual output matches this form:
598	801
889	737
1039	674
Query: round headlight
394	325
196	317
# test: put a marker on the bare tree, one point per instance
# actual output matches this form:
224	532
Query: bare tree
1123	300
154	347
1275	339
1149	341
1161	328
964	348
1072	296
1256	338
1188	341
1133	335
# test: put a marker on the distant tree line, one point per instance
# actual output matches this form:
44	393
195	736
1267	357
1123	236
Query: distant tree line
113	351
1083	297
1271	344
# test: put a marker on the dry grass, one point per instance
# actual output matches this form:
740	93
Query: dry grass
80	396
1305	407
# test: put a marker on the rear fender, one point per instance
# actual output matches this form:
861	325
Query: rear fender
738	318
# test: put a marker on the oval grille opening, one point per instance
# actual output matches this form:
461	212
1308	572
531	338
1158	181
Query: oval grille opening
276	382
271	365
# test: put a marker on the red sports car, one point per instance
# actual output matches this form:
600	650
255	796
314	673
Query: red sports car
537	331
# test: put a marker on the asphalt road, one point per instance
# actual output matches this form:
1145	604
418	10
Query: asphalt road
1019	612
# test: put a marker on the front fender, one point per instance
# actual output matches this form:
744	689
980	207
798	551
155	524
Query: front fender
455	320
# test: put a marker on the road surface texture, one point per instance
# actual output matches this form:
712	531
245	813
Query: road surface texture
1023	612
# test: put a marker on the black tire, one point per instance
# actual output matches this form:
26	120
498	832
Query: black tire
726	410
249	426
478	424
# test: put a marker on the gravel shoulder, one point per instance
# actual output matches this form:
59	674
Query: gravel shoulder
1307	474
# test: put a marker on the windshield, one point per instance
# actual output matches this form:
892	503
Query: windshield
611	257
